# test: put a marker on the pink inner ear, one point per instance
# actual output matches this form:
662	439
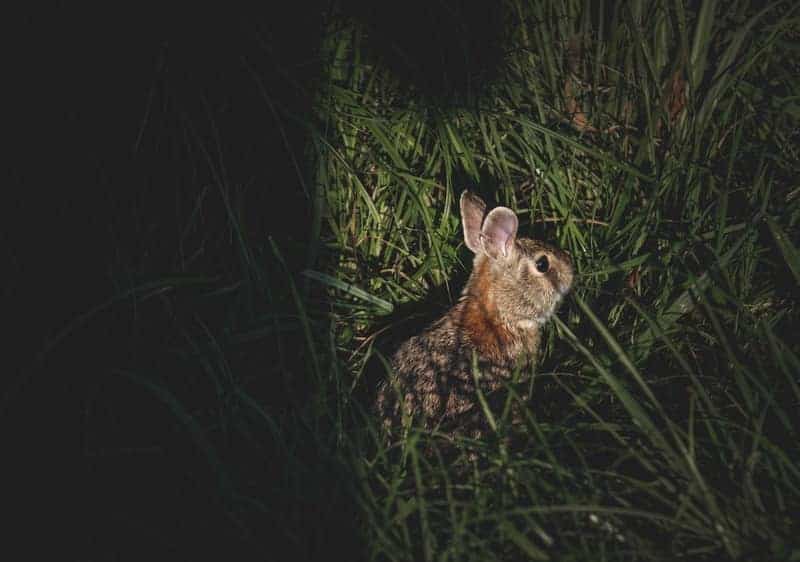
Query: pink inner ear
499	231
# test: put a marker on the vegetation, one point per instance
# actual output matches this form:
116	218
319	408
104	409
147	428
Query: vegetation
658	143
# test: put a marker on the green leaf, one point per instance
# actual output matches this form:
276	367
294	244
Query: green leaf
524	543
348	288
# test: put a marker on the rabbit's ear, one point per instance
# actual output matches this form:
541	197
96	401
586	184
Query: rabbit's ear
472	210
499	232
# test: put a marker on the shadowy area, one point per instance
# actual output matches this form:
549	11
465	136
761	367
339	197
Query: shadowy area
119	116
448	52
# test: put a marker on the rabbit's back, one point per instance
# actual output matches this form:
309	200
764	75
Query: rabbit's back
433	379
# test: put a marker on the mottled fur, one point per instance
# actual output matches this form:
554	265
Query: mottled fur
498	318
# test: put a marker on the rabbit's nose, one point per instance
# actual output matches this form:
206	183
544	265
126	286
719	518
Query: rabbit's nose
565	277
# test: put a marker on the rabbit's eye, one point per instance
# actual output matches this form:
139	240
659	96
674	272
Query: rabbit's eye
542	264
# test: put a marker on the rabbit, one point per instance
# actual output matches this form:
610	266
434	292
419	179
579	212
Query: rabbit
513	289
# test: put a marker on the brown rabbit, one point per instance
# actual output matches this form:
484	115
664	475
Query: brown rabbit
515	286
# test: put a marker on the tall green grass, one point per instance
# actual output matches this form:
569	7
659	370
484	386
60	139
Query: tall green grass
656	142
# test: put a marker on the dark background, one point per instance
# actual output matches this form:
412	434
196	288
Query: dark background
99	100
106	108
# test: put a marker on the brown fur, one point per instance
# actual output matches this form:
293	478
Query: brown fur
498	318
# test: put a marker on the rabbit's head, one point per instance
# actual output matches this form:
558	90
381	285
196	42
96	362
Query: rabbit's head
519	280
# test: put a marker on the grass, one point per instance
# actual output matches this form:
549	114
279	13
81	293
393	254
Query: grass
658	143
